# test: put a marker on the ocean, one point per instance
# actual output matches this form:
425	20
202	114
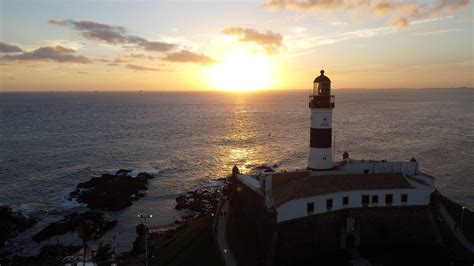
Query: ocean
50	141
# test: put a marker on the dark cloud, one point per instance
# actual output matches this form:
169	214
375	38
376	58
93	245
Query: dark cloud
57	54
158	46
141	68
8	48
112	34
400	12
269	40
185	56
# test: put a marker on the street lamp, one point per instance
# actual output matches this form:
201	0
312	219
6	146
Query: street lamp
462	216
144	217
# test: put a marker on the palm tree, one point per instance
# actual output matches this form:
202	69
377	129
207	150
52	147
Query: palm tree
86	232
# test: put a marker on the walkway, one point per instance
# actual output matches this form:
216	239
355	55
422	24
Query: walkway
455	229
221	235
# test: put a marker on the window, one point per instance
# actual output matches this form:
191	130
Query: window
375	199
388	199
404	198
365	200
310	208
366	171
329	204
345	201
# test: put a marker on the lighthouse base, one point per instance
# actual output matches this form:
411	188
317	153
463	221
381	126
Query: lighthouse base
320	159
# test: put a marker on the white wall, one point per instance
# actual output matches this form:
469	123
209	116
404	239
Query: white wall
297	208
320	158
377	167
321	117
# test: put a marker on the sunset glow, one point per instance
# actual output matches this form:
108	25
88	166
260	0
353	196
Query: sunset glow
234	45
242	72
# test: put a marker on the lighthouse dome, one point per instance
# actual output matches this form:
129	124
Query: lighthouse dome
321	78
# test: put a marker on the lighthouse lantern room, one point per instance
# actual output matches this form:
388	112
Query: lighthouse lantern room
321	103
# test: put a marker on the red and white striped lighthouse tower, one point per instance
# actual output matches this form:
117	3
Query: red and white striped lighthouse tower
321	103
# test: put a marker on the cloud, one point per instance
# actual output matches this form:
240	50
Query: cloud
438	32
399	22
269	40
141	68
8	48
305	5
112	34
158	46
358	34
57	54
185	56
401	13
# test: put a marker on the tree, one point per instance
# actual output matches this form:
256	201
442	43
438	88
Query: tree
86	232
103	253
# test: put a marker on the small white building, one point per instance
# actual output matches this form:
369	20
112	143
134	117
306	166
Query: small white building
351	184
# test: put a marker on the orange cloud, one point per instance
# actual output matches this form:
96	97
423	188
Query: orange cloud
141	68
400	13
269	40
185	56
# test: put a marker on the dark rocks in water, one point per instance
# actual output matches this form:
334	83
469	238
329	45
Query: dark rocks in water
12	223
49	255
123	172
72	221
265	168
111	192
203	200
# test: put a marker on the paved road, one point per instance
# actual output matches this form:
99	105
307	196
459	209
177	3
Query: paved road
455	229
221	236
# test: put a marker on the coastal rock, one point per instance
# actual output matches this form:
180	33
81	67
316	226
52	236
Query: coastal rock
72	221
203	200
123	172
111	192
264	168
12	223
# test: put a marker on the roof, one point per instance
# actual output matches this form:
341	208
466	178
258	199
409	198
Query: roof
321	78
320	185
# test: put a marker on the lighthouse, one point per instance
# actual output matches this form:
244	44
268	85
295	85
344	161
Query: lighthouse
321	103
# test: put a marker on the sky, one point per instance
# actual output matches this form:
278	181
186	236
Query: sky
118	45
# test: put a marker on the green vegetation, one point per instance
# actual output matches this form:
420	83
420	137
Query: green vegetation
455	210
192	245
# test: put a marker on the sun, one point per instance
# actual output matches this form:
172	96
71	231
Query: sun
242	72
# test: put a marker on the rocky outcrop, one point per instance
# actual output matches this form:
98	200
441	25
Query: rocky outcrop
202	200
72	221
111	192
12	223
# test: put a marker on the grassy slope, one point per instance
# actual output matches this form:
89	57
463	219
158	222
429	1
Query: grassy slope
193	245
